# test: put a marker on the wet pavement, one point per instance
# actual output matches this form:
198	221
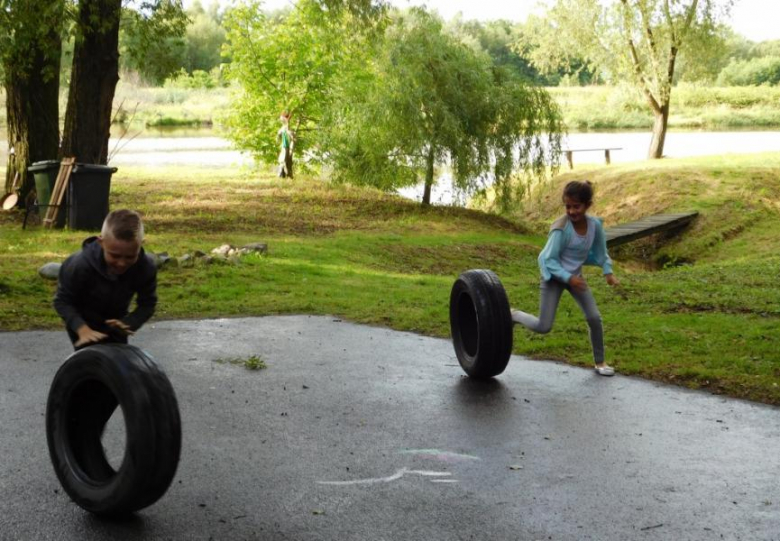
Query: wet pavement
363	433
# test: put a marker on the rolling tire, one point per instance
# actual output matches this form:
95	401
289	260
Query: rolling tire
481	323
86	390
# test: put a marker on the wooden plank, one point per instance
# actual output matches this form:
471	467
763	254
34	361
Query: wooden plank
58	193
624	233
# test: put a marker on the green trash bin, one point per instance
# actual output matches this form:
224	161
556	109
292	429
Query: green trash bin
45	174
88	191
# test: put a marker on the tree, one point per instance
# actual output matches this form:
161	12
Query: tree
497	39
293	63
203	40
30	45
636	39
95	70
148	50
429	100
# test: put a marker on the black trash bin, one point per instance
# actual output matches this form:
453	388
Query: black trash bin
88	191
45	174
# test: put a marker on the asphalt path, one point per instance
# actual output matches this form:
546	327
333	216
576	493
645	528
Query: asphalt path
363	433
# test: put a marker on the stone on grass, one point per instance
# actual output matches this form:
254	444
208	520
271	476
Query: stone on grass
224	250
260	247
50	271
160	260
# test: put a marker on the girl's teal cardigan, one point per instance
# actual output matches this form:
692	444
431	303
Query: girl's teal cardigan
560	234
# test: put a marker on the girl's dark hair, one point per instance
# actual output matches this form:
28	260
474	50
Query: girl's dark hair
579	190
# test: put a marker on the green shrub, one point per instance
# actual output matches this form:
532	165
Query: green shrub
753	72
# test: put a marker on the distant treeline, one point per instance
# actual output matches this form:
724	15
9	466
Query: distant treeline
194	60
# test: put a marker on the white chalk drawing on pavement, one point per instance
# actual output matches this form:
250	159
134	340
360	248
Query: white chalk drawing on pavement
395	477
437	454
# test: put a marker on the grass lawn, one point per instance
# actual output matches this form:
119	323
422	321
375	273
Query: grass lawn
702	310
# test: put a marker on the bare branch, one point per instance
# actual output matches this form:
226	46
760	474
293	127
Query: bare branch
637	62
670	22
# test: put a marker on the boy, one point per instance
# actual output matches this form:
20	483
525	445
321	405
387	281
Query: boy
97	284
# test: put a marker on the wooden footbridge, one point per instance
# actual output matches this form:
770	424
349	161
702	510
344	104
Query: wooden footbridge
623	233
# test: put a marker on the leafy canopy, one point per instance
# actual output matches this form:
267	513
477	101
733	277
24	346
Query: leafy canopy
293	62
636	40
429	99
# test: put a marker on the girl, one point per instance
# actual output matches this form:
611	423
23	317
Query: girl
575	239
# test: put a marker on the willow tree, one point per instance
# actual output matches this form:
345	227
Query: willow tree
430	100
636	40
30	48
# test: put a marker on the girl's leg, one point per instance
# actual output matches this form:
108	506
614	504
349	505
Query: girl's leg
551	291
588	306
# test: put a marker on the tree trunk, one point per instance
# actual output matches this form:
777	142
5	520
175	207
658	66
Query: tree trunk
93	82
656	150
426	200
32	110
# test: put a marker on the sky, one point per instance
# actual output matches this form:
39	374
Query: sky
754	19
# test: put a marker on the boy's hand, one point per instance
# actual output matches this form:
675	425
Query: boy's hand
612	280
578	283
88	336
120	326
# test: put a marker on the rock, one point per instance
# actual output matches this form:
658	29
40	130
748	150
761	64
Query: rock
160	260
198	253
223	250
186	260
50	271
206	259
260	247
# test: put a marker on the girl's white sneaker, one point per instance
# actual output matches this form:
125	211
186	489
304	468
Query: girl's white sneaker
605	370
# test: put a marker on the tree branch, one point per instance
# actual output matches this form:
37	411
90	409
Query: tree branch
248	38
648	29
670	22
638	64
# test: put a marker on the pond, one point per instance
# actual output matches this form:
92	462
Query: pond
205	148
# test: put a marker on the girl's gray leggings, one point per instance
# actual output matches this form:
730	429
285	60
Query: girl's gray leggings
548	305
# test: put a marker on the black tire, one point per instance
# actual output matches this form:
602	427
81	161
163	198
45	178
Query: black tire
85	392
481	323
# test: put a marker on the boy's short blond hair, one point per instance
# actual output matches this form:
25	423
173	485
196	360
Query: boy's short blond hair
124	225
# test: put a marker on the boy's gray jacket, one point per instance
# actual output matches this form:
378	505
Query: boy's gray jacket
558	238
87	293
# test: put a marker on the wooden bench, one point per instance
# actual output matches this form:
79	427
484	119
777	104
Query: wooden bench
623	233
570	154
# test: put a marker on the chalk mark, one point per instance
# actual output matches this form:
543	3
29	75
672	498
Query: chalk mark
389	479
444	456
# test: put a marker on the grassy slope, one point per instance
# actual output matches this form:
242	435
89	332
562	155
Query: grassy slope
378	259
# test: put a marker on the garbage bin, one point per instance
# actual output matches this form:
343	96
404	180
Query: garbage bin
45	174
88	191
